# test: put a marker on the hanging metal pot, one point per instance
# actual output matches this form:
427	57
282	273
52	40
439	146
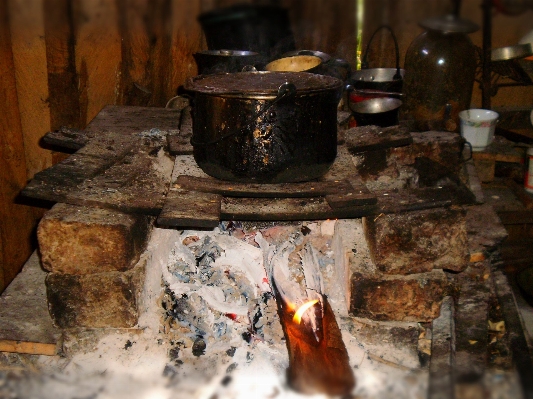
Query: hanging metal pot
265	127
376	111
381	79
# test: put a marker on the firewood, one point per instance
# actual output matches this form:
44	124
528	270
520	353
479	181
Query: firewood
318	362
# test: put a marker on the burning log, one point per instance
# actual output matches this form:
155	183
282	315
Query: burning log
318	359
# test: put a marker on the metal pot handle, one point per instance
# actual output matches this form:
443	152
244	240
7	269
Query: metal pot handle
364	62
285	90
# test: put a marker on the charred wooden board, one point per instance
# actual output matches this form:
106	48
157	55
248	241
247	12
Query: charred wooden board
66	138
288	190
55	183
270	209
181	204
368	138
180	144
25	323
127	120
136	184
116	119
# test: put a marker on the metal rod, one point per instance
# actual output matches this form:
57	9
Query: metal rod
486	61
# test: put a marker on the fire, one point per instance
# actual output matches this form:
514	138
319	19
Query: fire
301	310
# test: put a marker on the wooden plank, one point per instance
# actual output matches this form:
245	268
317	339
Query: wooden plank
516	217
522	356
180	144
32	348
358	194
370	138
29	56
67	139
268	209
25	324
55	183
63	82
98	54
520	192
130	120
233	189
501	152
441	383
16	221
138	183
185	208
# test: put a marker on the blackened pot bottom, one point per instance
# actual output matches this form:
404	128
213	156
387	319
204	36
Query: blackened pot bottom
291	174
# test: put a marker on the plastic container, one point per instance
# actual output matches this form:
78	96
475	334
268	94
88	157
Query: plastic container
528	179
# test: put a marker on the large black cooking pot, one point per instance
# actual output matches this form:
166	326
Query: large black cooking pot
265	127
217	61
265	29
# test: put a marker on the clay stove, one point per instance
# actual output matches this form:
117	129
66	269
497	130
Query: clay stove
385	267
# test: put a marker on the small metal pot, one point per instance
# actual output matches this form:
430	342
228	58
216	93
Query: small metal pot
265	127
217	61
376	111
383	79
311	61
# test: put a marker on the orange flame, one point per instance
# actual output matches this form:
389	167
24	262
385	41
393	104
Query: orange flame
301	310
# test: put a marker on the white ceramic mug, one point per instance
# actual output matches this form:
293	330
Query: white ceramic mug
478	126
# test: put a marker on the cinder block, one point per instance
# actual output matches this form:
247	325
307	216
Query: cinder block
83	240
418	241
398	298
96	300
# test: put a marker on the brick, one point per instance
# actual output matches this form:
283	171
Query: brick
445	148
83	240
398	298
96	300
395	167
418	241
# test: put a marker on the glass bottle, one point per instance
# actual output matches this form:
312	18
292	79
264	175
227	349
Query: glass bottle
440	67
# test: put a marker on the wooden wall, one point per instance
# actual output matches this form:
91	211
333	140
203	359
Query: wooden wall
61	61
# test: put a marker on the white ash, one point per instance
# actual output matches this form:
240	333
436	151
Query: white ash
211	353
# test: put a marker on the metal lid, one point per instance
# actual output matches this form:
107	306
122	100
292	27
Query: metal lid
253	84
450	24
228	53
511	52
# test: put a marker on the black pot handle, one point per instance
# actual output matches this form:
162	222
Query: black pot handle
285	90
364	62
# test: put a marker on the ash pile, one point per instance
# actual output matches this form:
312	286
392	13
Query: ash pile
221	320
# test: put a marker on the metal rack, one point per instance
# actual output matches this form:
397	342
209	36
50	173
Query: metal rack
496	74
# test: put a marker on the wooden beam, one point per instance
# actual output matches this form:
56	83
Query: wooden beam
63	81
32	348
29	56
97	55
16	221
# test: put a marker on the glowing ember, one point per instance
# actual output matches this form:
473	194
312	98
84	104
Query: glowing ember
301	310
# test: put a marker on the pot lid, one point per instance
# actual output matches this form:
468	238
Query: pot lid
450	24
250	84
228	53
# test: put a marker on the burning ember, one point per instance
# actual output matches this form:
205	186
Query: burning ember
302	309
